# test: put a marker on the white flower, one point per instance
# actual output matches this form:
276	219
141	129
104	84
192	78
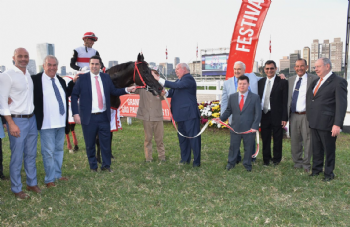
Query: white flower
219	125
209	113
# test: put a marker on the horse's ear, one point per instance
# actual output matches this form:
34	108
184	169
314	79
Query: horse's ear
139	57
142	58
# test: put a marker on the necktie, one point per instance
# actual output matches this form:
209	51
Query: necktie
318	85
99	94
58	96
293	107
241	103
267	97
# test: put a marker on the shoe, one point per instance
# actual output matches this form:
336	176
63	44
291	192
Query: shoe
196	165
329	178
314	174
35	189
2	177
229	166
276	163
253	160
112	157
107	169
266	164
21	195
63	178
249	170
93	170
76	148
50	185
183	162
238	161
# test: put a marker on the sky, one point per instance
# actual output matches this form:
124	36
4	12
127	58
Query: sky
124	28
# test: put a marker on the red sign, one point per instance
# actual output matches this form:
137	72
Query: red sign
129	105
246	33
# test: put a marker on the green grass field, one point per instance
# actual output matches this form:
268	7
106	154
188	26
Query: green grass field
169	194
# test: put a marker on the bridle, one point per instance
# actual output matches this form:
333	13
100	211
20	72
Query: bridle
145	86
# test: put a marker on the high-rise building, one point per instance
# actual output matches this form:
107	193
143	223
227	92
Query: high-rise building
315	52
31	67
63	70
284	63
306	56
195	68
176	61
167	68
325	49
2	68
152	65
42	50
112	63
293	58
337	55
256	67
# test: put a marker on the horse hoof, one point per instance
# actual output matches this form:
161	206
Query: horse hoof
76	148
71	151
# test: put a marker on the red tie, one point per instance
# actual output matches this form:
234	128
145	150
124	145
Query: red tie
241	103
99	94
318	85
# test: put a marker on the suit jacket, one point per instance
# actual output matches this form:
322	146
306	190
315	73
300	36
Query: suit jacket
183	94
250	115
82	91
39	100
230	88
291	82
328	106
278	99
150	106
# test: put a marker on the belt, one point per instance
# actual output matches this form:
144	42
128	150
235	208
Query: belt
23	115
97	113
300	112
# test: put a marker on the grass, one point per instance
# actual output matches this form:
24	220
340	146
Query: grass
168	194
202	88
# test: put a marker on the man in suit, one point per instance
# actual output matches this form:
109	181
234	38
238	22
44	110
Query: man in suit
244	107
326	103
51	105
93	89
184	108
298	124
273	92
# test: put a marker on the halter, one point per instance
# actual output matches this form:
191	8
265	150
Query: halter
143	82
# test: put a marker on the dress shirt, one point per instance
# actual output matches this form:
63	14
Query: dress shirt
244	96
271	86
301	102
19	87
323	80
52	116
95	108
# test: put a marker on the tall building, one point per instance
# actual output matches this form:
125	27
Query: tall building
2	68
284	63
256	67
293	58
315	52
42	50
31	67
166	69
336	55
63	70
152	65
325	49
306	56
195	68
112	63
176	61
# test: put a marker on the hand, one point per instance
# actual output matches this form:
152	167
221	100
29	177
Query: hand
253	130
216	120
75	78
284	124
9	101
5	127
14	130
155	76
282	76
77	119
131	89
163	92
335	130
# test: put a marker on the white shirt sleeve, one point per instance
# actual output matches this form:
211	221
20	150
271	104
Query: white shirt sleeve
161	81
5	86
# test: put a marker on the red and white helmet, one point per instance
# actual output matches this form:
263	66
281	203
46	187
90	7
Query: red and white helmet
90	35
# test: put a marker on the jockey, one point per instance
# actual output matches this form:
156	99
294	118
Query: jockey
82	54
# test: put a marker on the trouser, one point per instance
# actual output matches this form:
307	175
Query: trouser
153	128
235	144
190	128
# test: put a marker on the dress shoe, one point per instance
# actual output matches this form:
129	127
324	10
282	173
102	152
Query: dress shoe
21	195
314	174
35	189
328	178
196	165
182	162
76	148
63	178
253	160
2	177
238	161
50	185
276	163
229	166
249	170
266	164
107	169
112	157
93	170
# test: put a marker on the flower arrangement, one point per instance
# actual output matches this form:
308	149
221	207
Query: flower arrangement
210	110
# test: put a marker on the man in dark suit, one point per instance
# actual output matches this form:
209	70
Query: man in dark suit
51	105
184	108
298	124
273	92
93	89
326	103
246	115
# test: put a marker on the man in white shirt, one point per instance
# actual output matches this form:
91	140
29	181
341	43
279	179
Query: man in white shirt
51	105
299	126
17	84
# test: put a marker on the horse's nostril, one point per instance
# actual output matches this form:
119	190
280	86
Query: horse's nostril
159	89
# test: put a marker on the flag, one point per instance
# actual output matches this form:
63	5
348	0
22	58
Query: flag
197	51
270	45
166	53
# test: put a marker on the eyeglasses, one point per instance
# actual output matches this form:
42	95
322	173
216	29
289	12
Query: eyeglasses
269	69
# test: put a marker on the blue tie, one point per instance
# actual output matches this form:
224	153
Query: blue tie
293	107
58	96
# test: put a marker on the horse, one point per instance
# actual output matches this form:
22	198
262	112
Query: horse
125	75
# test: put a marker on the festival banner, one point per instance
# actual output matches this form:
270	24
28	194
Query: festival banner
129	105
246	33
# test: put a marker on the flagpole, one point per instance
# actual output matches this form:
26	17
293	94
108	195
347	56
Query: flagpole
270	48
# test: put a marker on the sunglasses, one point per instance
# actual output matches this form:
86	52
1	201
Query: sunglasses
269	68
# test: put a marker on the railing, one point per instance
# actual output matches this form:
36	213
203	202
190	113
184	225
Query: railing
206	84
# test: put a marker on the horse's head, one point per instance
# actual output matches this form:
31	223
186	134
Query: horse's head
147	76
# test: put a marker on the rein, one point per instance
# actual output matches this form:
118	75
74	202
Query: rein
143	82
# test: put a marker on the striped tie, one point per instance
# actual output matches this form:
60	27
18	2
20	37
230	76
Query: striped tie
58	96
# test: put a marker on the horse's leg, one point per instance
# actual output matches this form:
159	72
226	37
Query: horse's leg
111	145
75	141
98	151
69	145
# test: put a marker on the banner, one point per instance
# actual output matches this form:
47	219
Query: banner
246	33
129	105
